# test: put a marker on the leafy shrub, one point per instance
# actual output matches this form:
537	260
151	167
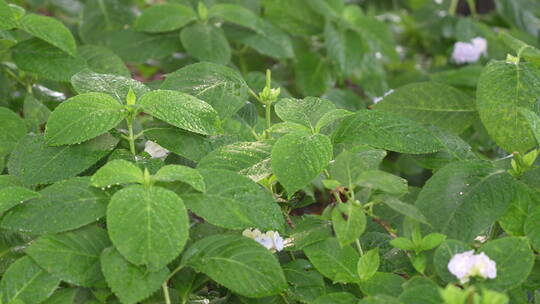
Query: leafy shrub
269	151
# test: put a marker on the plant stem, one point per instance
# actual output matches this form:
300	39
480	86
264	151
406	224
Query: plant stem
131	137
472	7
268	109
452	10
359	247
166	292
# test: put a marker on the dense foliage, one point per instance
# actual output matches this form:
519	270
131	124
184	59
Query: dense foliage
269	151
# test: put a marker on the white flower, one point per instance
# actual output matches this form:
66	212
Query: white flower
469	52
155	150
271	239
467	264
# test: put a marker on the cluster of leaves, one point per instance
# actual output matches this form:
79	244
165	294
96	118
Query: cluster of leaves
375	197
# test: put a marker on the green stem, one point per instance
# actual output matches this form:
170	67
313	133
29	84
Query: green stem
452	10
166	293
284	299
494	232
472	7
131	137
268	109
359	247
177	269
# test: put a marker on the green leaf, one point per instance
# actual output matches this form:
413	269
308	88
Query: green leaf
514	259
79	252
421	294
83	117
148	225
116	86
12	129
307	111
502	89
442	257
521	48
532	227
50	30
431	241
313	76
26	282
190	176
368	264
431	103
386	131
383	181
334	41
236	14
298	158
309	231
406	209
102	60
62	296
100	18
12	196
383	283
7	20
268	40
35	113
251	159
514	220
471	192
241	203
328	8
305	283
117	172
220	86
334	261
403	243
350	164
46	60
206	43
63	206
349	222
226	258
164	18
181	110
34	162
148	46
130	283
295	17
336	298
330	117
533	121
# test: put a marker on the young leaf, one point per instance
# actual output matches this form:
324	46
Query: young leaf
12	129
26	282
368	264
117	172
7	20
46	60
514	259
386	131
34	162
242	203
190	176
405	209
164	18
431	241
148	225
181	110
334	261
79	252
307	111
130	283
225	258
83	117
206	43
118	87
220	86
349	222
521	48
383	181
50	30
350	164
12	196
403	243
471	192
431	103
63	206
251	159
502	89
298	158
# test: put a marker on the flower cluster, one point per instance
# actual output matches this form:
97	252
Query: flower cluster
467	264
271	239
469	52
